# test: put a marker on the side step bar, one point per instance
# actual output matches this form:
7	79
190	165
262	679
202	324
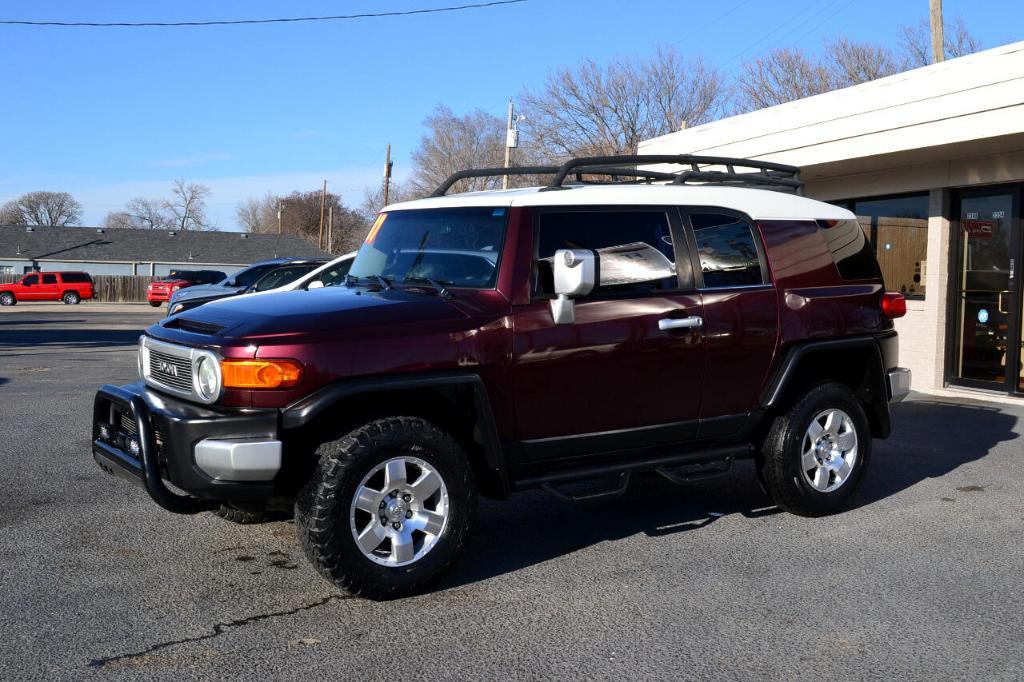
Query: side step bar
678	468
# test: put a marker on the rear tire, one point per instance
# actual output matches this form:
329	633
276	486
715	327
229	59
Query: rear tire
816	455
155	304
7	298
71	298
388	509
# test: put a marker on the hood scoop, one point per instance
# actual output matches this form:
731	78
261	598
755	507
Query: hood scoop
194	326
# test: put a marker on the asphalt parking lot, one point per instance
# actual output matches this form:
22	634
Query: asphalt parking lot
922	580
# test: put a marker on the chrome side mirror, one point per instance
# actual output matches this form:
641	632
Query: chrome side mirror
575	274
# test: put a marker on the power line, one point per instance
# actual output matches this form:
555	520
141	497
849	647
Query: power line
235	22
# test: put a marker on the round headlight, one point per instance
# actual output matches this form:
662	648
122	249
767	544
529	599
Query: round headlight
207	378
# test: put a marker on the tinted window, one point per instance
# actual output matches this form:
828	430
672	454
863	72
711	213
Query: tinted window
49	279
727	252
75	277
281	276
635	248
897	229
850	249
456	246
31	279
249	276
335	275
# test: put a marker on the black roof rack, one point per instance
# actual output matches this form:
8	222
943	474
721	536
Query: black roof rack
761	174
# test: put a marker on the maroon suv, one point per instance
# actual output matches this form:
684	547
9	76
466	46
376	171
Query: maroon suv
625	318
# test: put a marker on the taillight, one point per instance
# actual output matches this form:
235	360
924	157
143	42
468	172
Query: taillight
893	305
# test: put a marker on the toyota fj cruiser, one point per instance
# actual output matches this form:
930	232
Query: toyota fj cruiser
663	314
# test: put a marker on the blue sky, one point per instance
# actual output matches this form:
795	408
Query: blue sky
113	113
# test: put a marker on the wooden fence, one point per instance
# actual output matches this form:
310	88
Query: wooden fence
110	288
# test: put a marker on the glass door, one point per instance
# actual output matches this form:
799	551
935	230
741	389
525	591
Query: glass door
987	325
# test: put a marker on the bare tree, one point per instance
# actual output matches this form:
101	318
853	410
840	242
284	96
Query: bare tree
119	220
188	205
373	199
148	214
852	63
916	42
780	76
596	110
300	216
258	215
453	143
54	209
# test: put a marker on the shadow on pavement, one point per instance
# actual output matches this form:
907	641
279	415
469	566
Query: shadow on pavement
930	439
74	338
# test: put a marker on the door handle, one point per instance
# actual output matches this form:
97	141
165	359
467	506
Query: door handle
999	302
692	322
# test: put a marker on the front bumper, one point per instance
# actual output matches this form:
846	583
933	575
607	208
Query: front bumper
158	296
213	456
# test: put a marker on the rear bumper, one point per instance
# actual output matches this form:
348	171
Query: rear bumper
151	439
898	380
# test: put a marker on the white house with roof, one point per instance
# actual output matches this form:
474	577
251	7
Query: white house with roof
932	162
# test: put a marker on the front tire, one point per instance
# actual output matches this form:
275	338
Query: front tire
155	304
815	456
71	298
388	509
7	298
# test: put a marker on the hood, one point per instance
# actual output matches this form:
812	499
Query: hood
202	290
289	313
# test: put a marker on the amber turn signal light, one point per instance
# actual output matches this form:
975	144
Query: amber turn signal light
261	373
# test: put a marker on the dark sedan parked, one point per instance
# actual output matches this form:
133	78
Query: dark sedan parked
278	275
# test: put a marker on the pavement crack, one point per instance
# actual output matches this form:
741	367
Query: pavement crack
218	629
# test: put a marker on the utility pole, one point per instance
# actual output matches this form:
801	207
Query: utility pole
330	229
279	216
323	202
511	141
938	49
387	175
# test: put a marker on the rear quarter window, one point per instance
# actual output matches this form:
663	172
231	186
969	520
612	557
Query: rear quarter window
75	277
851	250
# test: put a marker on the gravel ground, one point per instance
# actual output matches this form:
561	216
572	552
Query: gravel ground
921	580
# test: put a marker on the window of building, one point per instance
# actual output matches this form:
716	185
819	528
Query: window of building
6	269
635	248
897	228
726	249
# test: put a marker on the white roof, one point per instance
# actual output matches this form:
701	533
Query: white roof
963	100
759	204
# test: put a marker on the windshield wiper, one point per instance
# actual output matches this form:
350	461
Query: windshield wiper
381	281
438	285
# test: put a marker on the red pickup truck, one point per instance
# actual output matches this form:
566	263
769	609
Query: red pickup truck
70	287
161	290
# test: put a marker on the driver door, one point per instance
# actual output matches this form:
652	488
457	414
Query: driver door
614	378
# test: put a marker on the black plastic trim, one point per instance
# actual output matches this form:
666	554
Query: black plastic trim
304	410
784	372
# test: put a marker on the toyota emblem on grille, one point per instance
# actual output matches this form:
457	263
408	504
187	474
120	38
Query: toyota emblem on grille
167	368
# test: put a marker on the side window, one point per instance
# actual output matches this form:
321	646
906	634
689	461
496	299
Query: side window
31	279
335	275
635	248
249	277
49	279
726	249
851	250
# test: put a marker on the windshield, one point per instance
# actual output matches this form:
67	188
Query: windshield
454	246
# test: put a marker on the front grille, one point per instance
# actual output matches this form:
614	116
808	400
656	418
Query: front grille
170	370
